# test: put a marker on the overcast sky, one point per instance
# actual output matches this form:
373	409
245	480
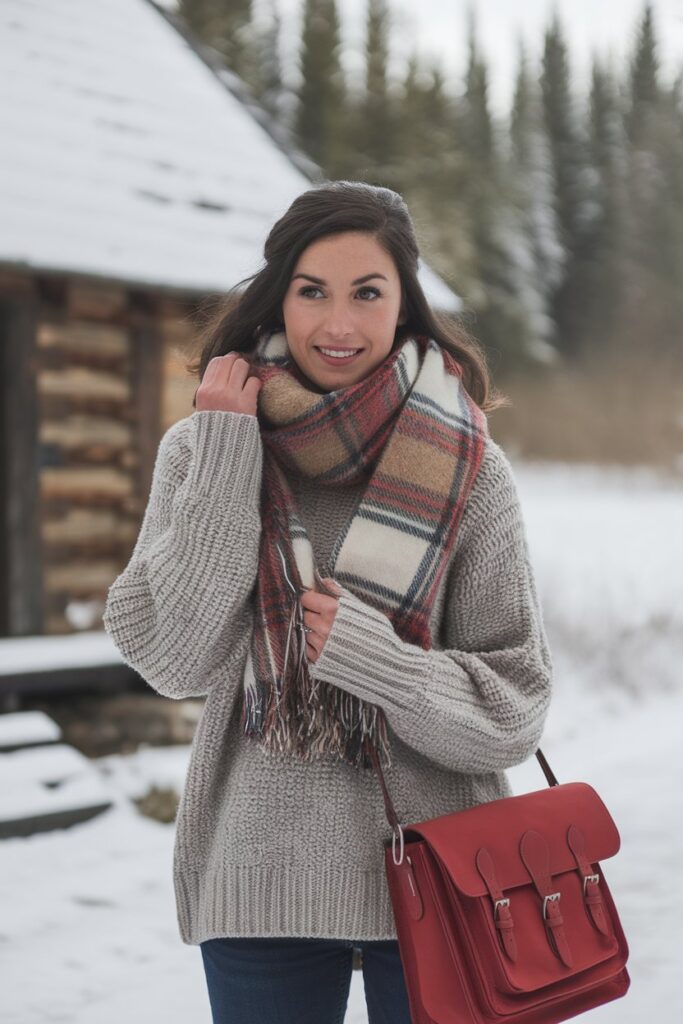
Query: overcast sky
440	26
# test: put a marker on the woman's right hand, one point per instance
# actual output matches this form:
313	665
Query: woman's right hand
225	386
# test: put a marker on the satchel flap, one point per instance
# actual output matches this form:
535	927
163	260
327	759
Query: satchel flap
499	825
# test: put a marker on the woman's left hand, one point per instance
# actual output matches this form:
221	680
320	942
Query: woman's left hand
319	613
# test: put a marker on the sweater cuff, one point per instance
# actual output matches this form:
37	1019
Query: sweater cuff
227	451
365	656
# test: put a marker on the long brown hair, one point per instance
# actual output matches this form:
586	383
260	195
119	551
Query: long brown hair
326	209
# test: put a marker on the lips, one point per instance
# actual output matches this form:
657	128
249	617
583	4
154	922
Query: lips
339	360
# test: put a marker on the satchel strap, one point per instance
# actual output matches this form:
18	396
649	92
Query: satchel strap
392	817
390	812
547	770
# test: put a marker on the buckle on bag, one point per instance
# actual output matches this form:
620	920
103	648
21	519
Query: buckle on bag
502	915
535	855
592	897
500	903
550	896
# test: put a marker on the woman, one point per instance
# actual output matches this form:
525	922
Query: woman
334	554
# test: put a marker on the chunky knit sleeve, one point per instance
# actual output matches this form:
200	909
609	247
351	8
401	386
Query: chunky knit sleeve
479	704
180	612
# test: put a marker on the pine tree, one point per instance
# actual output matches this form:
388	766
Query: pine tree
521	116
538	263
477	125
223	25
604	291
501	320
654	229
644	93
320	117
375	133
668	223
200	17
424	127
263	67
431	171
570	202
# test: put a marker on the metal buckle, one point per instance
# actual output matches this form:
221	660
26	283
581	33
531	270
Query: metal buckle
393	846
500	903
589	878
552	896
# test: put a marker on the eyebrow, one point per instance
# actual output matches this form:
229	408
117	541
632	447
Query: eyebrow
319	280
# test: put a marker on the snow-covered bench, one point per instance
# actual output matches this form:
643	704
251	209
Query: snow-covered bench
44	784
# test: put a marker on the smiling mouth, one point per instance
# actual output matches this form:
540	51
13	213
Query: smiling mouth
339	356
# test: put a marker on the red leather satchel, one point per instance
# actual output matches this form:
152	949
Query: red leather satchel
502	910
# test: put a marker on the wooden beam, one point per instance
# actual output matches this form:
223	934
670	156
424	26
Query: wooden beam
147	372
21	610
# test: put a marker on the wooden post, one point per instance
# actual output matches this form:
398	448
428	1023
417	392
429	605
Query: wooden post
147	368
21	599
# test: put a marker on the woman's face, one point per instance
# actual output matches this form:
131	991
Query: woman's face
344	295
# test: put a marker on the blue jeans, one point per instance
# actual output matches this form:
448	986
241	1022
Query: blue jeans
301	980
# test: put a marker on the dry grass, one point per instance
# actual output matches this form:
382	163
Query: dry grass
159	803
621	408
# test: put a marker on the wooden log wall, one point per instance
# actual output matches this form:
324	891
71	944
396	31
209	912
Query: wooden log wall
107	376
112	378
178	332
21	611
87	427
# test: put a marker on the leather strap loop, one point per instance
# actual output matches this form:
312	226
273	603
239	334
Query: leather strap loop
502	915
536	856
592	897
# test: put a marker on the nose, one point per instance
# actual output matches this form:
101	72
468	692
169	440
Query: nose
338	323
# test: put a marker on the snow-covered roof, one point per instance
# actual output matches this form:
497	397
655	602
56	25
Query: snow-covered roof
127	156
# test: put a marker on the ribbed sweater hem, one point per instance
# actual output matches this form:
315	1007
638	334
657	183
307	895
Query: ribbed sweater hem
327	901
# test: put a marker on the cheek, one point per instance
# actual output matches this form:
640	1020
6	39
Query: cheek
381	321
299	322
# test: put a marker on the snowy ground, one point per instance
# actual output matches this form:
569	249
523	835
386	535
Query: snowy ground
88	932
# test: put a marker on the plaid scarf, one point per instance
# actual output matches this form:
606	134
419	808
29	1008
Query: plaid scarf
413	436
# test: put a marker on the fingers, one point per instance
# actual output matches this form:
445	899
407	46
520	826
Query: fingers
326	584
227	385
314	645
240	380
230	369
218	368
253	386
319	623
319	614
320	627
318	602
239	371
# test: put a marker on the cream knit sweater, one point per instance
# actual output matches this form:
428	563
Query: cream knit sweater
268	845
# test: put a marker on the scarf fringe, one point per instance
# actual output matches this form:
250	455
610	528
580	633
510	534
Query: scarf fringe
309	718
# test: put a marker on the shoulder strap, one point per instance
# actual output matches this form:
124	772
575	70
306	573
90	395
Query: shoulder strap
392	817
